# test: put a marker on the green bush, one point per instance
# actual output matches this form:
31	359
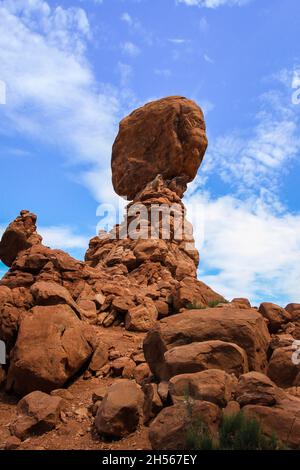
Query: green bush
237	432
211	304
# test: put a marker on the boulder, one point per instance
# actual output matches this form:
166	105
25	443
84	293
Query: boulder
294	311
243	327
282	369
275	315
283	420
192	293
215	386
51	347
241	302
169	430
120	411
164	137
196	357
255	388
99	358
19	236
141	318
152	402
51	293
141	373
37	413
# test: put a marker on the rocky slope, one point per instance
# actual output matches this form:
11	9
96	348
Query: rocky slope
108	348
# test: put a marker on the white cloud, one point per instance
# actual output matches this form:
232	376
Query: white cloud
63	237
246	251
178	40
213	3
163	72
130	49
208	59
127	18
203	25
52	93
252	163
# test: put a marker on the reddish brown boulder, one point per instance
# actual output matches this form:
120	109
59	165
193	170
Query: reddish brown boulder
294	311
275	315
121	409
37	413
255	388
152	401
20	235
51	347
164	137
196	357
142	317
215	386
192	293
282	369
168	431
241	302
283	420
243	327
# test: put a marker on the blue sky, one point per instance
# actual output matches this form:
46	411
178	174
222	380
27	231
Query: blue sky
73	69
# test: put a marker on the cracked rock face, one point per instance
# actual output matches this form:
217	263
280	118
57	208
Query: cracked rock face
164	137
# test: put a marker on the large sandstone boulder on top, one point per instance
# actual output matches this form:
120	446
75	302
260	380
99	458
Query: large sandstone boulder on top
51	347
20	235
244	327
195	357
164	137
121	409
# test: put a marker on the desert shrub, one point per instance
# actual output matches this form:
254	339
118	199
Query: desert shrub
211	304
237	432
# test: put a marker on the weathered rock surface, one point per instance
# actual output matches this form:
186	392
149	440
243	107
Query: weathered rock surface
275	315
20	235
283	420
195	357
169	429
243	327
50	349
282	369
255	388
121	409
37	413
215	386
166	136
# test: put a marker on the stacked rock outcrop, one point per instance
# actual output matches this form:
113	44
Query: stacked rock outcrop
61	318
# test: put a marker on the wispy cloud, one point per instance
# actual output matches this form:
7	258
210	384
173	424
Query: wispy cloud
178	40
130	49
208	59
252	163
163	72
247	251
52	93
249	243
213	3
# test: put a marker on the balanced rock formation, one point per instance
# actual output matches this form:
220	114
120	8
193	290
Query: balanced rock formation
157	347
164	137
